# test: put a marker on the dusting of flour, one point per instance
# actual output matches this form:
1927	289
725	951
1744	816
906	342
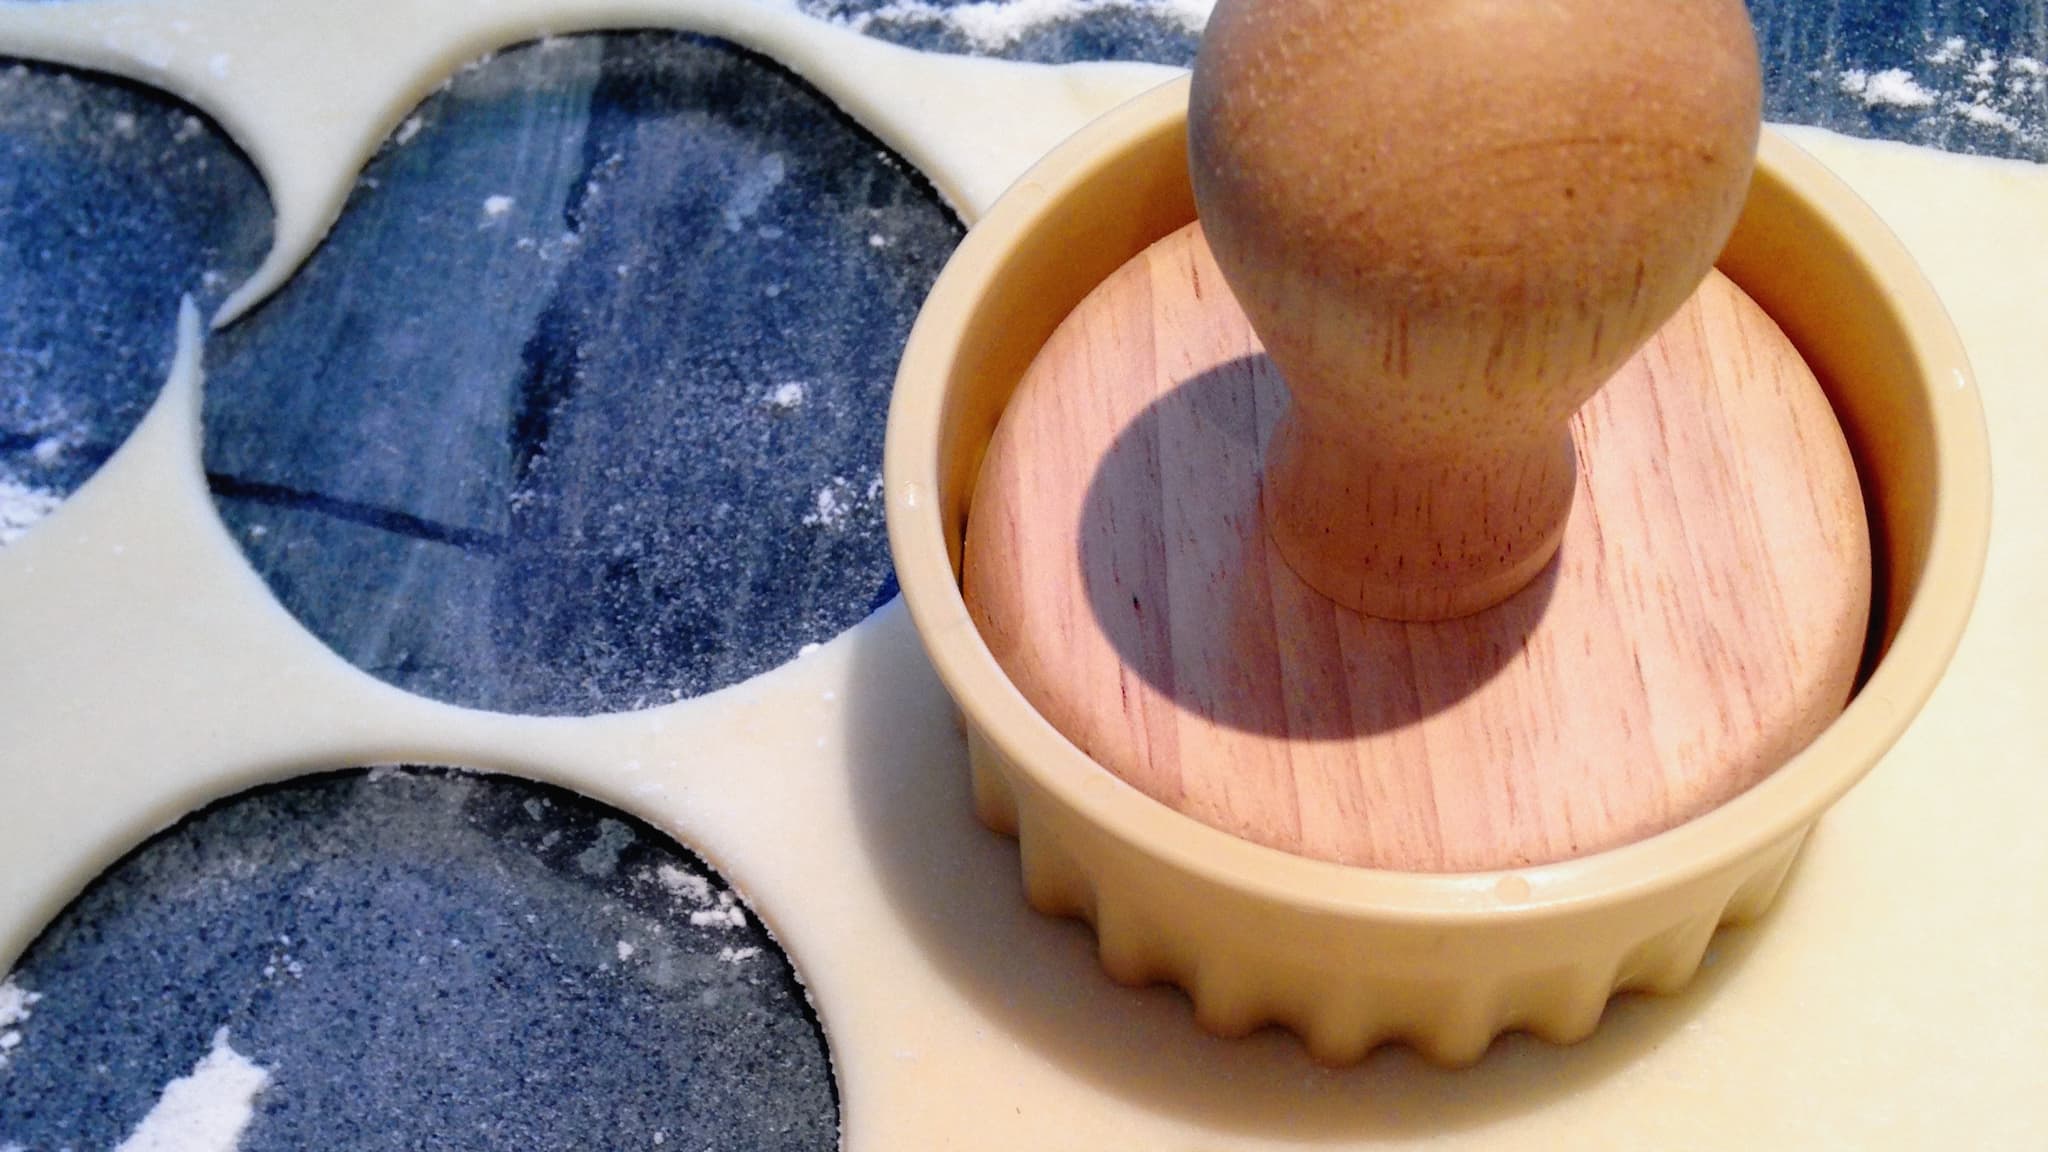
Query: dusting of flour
21	506
205	1111
16	1006
830	508
993	24
1893	86
1957	84
708	908
786	397
835	505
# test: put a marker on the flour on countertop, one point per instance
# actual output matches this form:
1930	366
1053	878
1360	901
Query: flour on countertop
1894	87
994	24
602	857
281	959
725	914
16	1006
684	885
1987	116
830	509
1958	86
835	503
21	507
708	908
828	513
787	397
753	191
205	1111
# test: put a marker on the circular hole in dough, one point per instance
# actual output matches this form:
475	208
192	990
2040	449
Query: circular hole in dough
580	407
115	200
417	959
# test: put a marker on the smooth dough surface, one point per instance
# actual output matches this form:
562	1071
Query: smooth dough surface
1895	999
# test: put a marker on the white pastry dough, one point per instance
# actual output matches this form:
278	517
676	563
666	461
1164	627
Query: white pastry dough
310	90
1895	999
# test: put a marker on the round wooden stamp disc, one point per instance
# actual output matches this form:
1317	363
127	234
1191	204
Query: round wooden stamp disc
1704	619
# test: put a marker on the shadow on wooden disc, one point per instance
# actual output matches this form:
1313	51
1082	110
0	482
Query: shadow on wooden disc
1186	585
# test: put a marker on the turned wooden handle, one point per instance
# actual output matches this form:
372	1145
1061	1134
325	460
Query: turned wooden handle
1449	221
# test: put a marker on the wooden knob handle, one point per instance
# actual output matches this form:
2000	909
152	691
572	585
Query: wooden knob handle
1450	221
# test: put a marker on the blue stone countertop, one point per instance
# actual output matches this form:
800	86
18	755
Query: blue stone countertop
613	441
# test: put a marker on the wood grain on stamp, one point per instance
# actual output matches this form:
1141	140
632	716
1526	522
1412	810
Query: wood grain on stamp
1703	619
1449	222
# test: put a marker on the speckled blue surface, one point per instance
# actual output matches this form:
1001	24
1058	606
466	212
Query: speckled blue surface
617	442
421	961
484	463
113	200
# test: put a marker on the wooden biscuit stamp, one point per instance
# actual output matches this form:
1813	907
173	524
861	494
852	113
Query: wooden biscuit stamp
1483	532
1381	559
